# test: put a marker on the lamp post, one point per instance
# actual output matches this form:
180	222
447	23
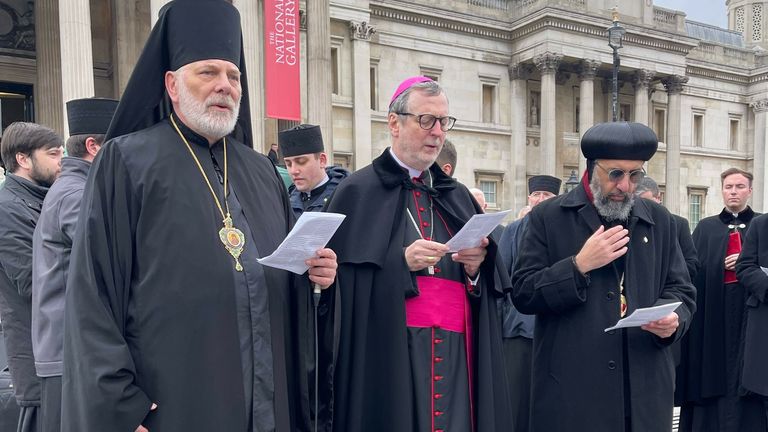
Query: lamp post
615	41
572	182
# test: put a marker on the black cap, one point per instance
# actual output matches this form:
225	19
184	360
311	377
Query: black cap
619	141
544	183
90	116
302	139
186	31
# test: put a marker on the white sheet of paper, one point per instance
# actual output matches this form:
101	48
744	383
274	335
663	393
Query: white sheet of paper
475	230
312	231
645	315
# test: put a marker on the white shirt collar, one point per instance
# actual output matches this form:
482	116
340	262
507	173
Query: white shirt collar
322	182
411	171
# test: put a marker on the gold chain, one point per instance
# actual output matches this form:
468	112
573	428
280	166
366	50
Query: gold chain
205	177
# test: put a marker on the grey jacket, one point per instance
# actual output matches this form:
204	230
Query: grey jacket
50	264
20	205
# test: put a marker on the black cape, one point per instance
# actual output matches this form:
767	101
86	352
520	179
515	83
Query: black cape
702	370
150	311
373	390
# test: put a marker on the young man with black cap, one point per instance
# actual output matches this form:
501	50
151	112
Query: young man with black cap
88	121
709	390
587	259
171	322
420	339
305	160
31	155
517	328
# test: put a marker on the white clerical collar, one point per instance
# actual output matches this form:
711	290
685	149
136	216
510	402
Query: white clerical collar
322	182
411	171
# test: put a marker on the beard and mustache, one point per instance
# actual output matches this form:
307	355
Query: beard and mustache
211	124
606	207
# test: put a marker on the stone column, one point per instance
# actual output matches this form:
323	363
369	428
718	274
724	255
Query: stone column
587	73
132	25
518	77
154	9
674	85
48	103
759	190
547	64
361	111
76	53
641	82
253	43
320	106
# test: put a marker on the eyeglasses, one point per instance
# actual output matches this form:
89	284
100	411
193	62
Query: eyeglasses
615	175
427	121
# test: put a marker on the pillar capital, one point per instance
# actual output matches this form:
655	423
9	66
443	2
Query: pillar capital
588	69
642	79
361	31
759	105
548	62
674	83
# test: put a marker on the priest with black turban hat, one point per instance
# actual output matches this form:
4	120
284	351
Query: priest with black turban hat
589	258
171	322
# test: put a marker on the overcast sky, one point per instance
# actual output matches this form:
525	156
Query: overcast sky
707	11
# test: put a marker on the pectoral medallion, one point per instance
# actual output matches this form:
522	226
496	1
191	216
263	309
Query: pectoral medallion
234	241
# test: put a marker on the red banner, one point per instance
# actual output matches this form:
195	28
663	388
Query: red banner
282	59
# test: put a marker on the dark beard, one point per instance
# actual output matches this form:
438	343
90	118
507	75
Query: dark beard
607	208
41	178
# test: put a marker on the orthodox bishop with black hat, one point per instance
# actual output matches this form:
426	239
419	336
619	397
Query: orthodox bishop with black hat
171	323
88	120
587	259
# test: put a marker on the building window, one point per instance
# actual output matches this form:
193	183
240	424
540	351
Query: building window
625	112
343	160
733	138
489	103
660	123
374	87
431	72
491	185
696	205
335	70
698	129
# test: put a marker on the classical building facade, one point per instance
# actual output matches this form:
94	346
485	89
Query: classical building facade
525	78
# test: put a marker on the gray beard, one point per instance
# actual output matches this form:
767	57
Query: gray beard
208	124
607	208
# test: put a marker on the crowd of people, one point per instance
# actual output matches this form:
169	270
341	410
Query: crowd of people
132	298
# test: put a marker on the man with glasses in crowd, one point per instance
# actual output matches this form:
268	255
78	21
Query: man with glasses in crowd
587	259
517	328
420	345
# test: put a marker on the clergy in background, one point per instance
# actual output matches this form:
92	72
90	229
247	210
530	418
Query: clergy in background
708	389
306	162
171	323
420	338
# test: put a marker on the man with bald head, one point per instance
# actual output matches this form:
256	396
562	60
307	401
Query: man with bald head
171	322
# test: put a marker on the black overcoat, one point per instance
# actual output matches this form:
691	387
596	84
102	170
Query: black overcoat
150	313
373	390
578	371
754	255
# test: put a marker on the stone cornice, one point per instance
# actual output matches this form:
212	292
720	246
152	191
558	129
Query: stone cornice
716	74
382	11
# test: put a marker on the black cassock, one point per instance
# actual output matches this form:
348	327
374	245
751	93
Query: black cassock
393	373
156	311
711	353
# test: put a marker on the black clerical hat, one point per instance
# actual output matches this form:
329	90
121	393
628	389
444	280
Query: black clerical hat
186	31
302	139
544	183
90	116
619	141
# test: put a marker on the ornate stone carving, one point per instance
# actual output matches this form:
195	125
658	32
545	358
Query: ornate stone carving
519	71
17	26
548	62
760	105
674	83
642	79
361	31
588	69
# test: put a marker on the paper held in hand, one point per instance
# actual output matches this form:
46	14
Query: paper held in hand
475	230
312	232
645	315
